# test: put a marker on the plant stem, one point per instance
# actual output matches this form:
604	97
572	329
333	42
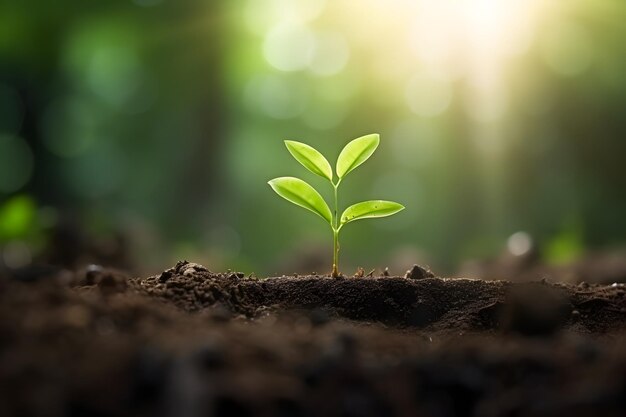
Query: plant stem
335	227
335	253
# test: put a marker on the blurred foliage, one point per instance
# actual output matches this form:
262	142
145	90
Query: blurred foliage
567	245
17	218
162	120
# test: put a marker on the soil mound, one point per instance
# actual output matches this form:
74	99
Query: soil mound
428	303
189	342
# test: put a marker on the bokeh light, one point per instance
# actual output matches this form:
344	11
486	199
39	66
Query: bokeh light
276	97
330	55
289	47
428	96
96	174
161	121
567	49
70	127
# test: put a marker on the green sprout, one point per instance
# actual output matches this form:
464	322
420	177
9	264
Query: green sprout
302	194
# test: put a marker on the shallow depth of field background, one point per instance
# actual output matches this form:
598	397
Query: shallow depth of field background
139	132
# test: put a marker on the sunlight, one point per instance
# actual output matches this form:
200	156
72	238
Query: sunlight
472	40
436	55
441	51
496	31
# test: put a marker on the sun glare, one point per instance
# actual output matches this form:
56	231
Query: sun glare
438	51
472	40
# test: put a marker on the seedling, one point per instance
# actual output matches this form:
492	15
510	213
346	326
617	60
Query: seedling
302	194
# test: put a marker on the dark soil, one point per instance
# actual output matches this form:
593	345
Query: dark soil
189	342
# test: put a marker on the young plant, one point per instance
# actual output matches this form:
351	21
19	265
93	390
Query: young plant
302	194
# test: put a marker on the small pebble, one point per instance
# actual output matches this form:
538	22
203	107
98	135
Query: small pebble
91	273
417	272
165	275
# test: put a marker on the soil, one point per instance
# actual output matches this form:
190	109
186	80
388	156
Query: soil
189	342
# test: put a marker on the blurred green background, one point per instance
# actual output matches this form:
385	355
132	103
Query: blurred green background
138	132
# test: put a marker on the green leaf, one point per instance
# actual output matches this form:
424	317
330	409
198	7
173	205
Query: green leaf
355	153
302	194
370	209
310	158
